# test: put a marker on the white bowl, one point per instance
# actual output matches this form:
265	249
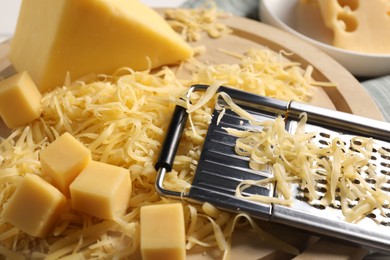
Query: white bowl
305	22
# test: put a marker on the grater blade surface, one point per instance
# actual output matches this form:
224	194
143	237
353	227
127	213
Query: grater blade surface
220	170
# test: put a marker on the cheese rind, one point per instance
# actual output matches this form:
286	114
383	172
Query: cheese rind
35	207
101	190
91	36
20	100
162	232
63	160
358	25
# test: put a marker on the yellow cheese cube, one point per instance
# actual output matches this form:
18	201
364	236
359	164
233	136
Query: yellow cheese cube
91	36
162	232
101	190
63	160
20	100
358	25
35	207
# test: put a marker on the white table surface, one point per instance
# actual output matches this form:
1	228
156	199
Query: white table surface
9	10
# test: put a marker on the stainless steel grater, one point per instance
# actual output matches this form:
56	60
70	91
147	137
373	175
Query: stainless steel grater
220	169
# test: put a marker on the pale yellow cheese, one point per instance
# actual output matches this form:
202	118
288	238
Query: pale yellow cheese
101	190
35	207
20	100
358	25
162	232
63	160
91	36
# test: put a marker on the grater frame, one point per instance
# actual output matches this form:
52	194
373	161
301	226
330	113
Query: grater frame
220	169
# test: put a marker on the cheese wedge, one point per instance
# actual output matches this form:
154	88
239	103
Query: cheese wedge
20	100
91	36
358	25
162	232
35	207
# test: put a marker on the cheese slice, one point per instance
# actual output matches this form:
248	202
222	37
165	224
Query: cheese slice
20	100
91	36
162	232
358	25
35	207
63	160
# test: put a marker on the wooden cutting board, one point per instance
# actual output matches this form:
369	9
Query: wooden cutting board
349	96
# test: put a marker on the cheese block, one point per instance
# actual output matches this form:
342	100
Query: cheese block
63	160
101	190
20	100
91	36
35	207
358	25
162	232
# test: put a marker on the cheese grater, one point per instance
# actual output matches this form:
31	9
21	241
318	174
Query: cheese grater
220	169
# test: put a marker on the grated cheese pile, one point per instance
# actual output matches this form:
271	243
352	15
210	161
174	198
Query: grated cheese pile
335	168
122	119
262	72
190	23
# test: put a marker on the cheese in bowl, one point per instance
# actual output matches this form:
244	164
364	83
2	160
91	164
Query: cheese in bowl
358	25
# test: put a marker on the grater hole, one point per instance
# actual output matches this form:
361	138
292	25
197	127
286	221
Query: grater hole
387	189
325	135
323	181
370	181
385	223
323	142
385	172
343	143
353	203
386	157
321	173
353	149
321	189
373	158
371	215
357	142
325	157
387	165
302	198
335	206
356	181
304	190
318	206
386	149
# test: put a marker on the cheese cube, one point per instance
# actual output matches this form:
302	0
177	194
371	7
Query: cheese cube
101	190
91	36
162	232
63	160
358	25
20	100
35	207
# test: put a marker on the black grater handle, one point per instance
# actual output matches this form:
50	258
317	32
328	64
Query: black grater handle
172	139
